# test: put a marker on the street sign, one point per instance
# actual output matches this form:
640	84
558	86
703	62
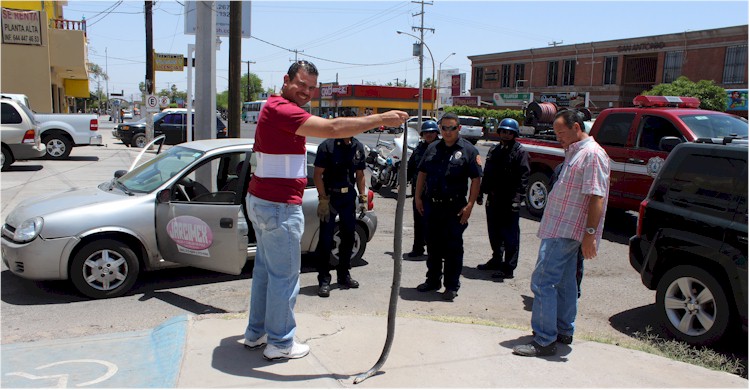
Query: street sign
163	101
152	103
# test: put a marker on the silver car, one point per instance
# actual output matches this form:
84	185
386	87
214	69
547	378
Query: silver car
183	207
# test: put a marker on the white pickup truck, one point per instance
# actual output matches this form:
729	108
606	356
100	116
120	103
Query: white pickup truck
60	133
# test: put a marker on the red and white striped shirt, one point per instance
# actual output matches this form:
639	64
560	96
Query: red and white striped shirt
585	172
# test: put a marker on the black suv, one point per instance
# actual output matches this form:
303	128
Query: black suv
691	241
170	122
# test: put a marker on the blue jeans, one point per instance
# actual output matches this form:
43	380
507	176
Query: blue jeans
278	230
555	291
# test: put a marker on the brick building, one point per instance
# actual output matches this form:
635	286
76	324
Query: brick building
611	72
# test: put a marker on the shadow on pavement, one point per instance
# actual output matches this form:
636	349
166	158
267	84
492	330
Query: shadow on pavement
83	158
183	303
475	274
411	294
232	358
24	168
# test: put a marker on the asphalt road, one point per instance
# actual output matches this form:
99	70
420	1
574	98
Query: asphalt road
614	304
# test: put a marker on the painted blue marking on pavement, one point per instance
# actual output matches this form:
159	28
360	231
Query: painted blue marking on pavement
149	358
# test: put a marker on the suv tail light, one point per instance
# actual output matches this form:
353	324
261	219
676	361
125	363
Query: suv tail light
641	214
94	125
28	137
370	197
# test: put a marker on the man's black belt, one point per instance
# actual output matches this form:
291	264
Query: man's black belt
448	199
342	190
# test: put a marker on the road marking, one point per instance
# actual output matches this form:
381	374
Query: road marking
62	379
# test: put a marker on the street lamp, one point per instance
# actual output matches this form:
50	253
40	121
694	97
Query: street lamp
421	81
440	70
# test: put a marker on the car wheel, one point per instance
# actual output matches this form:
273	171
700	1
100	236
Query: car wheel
693	305
138	141
536	194
358	248
58	146
104	269
7	158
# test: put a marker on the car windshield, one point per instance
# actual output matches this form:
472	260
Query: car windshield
715	126
470	121
153	173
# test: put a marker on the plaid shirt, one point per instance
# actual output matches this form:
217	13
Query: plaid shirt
585	172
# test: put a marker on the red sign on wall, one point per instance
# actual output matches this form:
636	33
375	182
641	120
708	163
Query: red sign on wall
456	85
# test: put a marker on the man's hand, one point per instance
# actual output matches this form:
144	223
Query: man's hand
324	208
480	199
465	213
588	246
419	204
362	204
394	118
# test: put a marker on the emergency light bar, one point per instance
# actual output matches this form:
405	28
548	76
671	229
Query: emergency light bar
666	101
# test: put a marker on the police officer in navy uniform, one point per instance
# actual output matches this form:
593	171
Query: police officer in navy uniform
429	133
442	185
339	165
506	175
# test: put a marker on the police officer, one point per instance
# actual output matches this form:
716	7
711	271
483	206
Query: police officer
429	133
444	173
506	175
339	164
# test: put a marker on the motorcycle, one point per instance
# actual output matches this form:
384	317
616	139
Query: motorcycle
385	159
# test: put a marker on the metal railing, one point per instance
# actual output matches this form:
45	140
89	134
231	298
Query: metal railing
64	24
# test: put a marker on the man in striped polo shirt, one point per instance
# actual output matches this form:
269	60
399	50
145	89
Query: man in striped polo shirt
274	204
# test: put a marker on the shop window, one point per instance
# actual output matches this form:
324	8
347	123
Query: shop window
505	80
735	63
520	70
569	72
610	70
673	65
478	77
552	73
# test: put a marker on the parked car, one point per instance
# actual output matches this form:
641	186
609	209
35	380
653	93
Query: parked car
171	122
60	133
183	207
471	128
691	241
127	114
19	134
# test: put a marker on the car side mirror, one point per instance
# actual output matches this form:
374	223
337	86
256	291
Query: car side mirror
666	144
164	196
119	173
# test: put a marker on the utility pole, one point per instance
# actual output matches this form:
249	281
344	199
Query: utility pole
421	29
235	74
106	69
247	98
149	66
553	43
295	54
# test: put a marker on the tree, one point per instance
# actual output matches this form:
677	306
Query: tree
711	95
256	87
428	83
98	74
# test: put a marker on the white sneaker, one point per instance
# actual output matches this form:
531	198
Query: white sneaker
296	351
263	340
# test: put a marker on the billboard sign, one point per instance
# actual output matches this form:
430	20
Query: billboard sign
465	100
168	62
22	27
222	18
564	99
512	99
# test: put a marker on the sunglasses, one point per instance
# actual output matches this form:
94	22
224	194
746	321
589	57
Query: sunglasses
449	128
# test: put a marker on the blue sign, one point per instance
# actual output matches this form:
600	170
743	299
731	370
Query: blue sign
736	99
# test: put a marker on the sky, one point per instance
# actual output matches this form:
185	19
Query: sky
356	42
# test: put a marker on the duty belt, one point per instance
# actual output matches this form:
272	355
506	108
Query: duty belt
447	200
343	190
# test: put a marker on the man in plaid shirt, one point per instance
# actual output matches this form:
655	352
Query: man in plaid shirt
573	220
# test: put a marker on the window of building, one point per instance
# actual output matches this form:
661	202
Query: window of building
734	64
672	65
520	69
610	70
505	78
478	77
569	72
552	73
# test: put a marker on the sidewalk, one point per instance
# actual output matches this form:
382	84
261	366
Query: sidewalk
207	352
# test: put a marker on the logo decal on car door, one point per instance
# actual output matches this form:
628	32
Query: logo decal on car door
192	235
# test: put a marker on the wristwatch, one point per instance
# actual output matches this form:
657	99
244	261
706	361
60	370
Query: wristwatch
590	230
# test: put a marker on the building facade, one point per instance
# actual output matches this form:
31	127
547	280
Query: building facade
611	73
361	100
43	56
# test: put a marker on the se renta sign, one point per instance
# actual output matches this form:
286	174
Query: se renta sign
21	27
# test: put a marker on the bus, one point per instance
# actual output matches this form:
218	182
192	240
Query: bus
251	110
